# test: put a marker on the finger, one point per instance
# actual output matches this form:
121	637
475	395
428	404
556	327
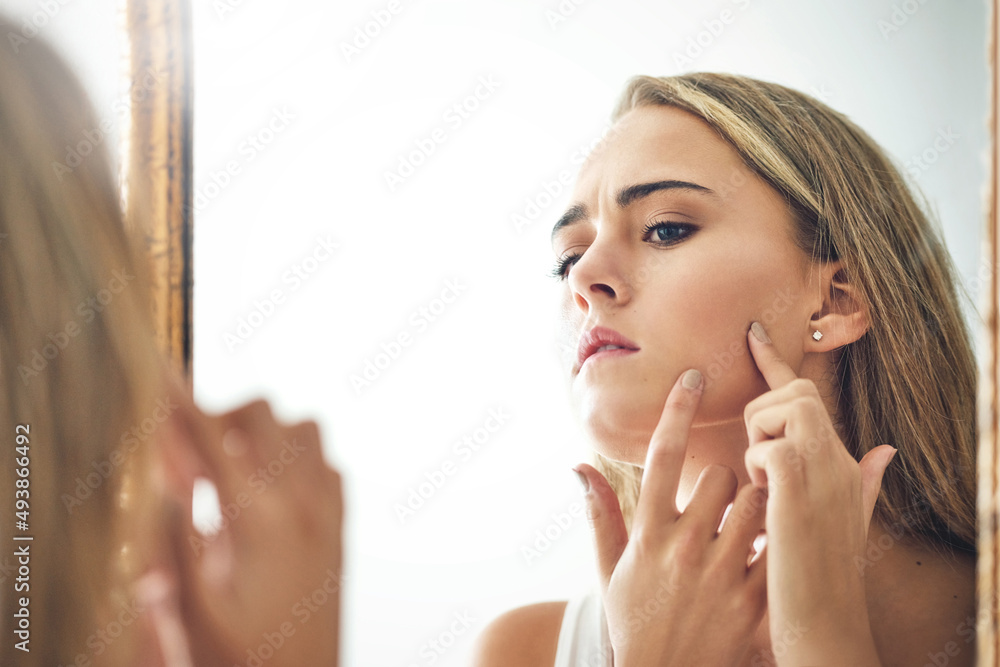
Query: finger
712	493
745	519
661	475
196	441
776	372
776	463
798	388
157	593
606	521
313	489
179	465
207	641
261	433
757	575
801	418
873	466
755	460
767	424
304	449
756	584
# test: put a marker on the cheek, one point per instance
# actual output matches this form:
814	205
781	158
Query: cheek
705	321
702	311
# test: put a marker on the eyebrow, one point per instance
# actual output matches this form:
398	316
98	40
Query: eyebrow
625	197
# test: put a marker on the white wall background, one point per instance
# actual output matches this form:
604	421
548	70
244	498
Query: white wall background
328	127
88	34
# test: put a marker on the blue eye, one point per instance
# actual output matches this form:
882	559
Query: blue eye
667	233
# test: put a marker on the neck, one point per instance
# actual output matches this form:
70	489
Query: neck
725	442
720	443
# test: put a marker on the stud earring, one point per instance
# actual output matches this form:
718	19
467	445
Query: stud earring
817	334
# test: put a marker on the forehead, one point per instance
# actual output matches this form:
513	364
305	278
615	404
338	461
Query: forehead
658	141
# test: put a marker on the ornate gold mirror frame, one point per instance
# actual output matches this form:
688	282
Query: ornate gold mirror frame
159	163
989	462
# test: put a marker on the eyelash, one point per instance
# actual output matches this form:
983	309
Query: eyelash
563	264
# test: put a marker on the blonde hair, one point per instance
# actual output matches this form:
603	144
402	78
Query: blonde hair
910	380
79	364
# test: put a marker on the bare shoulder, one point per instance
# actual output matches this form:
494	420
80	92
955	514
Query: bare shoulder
921	602
524	636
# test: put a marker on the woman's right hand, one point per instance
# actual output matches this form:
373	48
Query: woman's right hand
679	591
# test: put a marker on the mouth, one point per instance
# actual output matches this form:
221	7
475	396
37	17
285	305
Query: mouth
602	343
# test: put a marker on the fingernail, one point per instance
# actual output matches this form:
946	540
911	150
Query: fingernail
759	333
692	379
583	480
894	450
152	590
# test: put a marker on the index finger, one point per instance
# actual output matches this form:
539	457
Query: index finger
776	372
661	476
201	437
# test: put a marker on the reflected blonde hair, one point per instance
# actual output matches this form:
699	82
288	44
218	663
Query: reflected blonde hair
910	381
63	239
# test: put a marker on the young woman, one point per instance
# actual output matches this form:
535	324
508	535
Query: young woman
770	338
103	444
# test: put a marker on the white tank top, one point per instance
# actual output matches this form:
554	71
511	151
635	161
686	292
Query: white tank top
583	637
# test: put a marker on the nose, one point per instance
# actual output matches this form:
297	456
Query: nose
599	279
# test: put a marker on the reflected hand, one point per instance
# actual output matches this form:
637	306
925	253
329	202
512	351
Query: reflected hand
268	583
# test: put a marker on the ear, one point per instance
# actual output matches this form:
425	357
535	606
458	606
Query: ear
841	314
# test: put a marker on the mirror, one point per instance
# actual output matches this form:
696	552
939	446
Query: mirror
374	188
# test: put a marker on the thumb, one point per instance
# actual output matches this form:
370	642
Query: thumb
156	592
186	551
606	521
873	466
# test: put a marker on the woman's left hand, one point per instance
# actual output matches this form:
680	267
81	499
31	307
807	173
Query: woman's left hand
820	503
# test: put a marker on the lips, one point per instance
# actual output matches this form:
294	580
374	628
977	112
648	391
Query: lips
603	341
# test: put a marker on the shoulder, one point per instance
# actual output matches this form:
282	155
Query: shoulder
525	636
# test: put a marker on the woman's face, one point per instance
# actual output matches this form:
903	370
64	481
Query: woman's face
674	244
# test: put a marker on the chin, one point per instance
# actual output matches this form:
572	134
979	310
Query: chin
620	420
620	426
